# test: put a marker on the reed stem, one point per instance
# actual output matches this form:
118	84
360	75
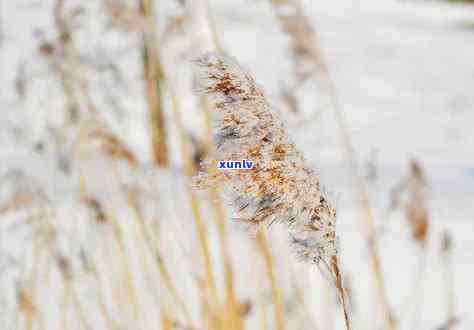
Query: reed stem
154	80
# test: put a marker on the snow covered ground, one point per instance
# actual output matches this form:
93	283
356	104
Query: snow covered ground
404	73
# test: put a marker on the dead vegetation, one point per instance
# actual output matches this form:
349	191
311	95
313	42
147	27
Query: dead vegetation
122	243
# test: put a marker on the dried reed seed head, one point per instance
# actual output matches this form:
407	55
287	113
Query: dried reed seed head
95	134
306	55
65	266
418	221
25	301
95	205
280	187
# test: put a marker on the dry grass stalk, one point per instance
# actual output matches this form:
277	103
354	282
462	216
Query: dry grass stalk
231	311
310	59
65	59
100	281
210	299
233	306
154	80
235	316
125	289
280	187
341	289
27	306
28	293
263	244
446	254
368	219
410	196
64	303
42	252
95	138
213	28
70	296
76	90
263	319
162	267
96	134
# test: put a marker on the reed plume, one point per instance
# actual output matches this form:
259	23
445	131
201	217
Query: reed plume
415	202
305	53
280	187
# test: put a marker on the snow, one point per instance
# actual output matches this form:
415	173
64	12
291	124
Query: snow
404	73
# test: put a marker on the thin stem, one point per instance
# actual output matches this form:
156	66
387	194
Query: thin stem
303	34
276	294
342	293
449	281
154	79
189	169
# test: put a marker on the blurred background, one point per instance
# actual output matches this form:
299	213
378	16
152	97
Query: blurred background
101	129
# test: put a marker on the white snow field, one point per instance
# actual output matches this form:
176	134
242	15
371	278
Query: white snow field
404	74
